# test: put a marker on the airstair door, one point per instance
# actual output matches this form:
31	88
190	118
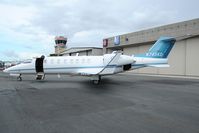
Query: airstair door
39	65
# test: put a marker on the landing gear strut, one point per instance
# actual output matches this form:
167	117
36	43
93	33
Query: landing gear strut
19	78
96	79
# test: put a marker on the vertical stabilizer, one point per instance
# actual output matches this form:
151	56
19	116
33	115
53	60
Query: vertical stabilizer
160	49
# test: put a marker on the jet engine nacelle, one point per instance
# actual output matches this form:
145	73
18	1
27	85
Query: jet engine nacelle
127	67
125	60
122	60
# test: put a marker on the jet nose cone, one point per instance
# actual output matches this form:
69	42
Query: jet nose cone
5	71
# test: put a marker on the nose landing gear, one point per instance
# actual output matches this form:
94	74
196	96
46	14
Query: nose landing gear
19	78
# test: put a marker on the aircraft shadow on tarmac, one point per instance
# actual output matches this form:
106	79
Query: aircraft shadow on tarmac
105	85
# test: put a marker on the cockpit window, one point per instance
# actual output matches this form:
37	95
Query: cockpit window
27	61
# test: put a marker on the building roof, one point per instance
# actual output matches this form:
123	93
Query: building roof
180	31
78	49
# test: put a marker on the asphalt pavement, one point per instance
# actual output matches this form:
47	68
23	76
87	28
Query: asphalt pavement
119	104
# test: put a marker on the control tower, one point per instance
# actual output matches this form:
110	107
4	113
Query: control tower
60	44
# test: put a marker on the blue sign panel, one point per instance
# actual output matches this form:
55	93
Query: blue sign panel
117	40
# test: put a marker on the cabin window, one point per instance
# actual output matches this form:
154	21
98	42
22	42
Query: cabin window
71	61
51	61
58	61
77	60
88	60
65	61
83	60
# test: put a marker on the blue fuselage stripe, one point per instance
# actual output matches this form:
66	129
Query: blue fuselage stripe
83	67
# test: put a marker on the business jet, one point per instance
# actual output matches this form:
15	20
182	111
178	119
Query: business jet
95	66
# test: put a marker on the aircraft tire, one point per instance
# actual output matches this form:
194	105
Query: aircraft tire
96	82
19	78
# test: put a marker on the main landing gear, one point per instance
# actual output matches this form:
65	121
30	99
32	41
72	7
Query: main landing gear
96	79
39	76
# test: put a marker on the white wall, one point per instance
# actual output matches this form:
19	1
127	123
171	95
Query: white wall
192	57
176	60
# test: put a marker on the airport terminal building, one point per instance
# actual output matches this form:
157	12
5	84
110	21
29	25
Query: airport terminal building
183	58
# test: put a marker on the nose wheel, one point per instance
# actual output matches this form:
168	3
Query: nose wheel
19	78
96	82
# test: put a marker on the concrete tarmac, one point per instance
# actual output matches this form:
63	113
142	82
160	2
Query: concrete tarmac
120	104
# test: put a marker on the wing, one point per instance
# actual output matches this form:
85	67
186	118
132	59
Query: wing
98	71
89	72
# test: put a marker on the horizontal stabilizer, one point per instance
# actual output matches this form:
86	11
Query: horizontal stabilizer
159	65
14	75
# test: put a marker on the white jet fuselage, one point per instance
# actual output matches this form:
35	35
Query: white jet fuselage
76	65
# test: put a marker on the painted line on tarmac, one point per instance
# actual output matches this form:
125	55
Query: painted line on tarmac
166	76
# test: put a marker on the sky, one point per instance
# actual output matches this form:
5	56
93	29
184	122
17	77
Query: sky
28	27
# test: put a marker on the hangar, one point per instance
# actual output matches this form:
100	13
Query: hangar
81	51
183	58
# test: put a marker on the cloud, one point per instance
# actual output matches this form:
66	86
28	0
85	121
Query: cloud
33	24
20	56
13	16
29	55
73	17
10	53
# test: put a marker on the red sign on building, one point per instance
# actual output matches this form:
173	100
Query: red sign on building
105	42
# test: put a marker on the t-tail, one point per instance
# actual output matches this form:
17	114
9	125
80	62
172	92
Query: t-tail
156	55
160	49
